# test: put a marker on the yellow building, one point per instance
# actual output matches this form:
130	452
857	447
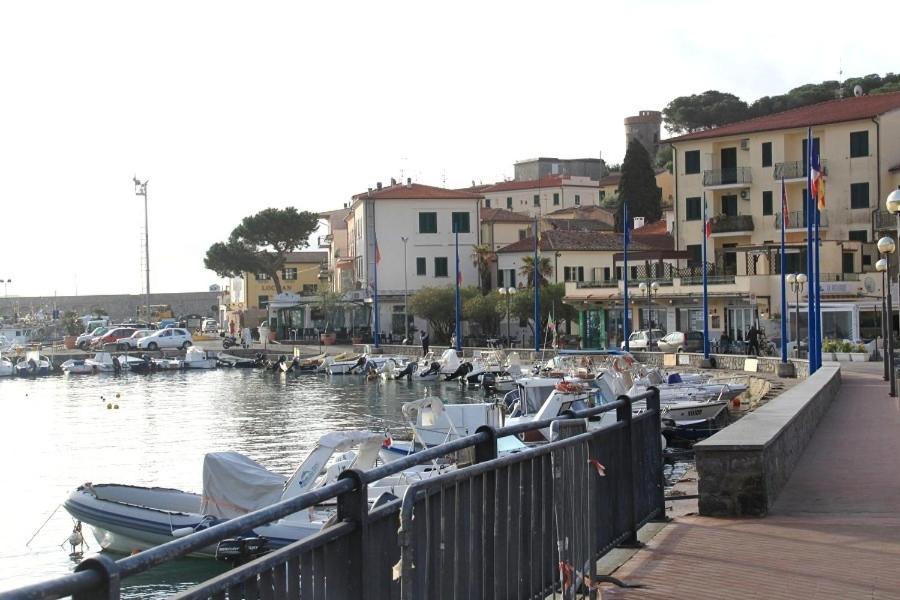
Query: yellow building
665	181
300	275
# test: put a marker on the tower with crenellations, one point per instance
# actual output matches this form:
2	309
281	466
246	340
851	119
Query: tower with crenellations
644	127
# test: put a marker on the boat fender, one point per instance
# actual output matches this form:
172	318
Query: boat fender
182	531
383	499
117	366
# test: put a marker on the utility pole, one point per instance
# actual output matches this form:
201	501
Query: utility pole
405	292
140	189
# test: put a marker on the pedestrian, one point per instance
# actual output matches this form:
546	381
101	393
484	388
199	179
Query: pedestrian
425	342
753	340
453	341
231	327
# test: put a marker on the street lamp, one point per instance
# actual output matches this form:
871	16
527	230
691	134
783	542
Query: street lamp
882	267
508	292
649	289
797	281
887	246
405	239
5	283
140	189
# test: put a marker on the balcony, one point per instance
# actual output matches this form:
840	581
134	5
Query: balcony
611	283
710	280
794	170
797	220
727	178
731	223
325	240
885	221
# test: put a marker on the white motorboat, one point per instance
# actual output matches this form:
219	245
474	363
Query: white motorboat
77	367
195	358
431	369
125	518
151	365
7	369
33	364
360	365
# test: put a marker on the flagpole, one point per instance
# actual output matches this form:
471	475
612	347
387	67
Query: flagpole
818	292
625	329
784	314
537	290
377	321
705	294
458	316
810	304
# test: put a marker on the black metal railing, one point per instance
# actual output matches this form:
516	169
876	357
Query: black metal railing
733	176
731	223
796	219
608	283
488	530
794	169
885	221
710	280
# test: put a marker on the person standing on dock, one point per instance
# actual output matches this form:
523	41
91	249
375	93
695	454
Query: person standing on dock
753	340
425	342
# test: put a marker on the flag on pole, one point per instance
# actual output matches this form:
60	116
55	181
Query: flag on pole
707	228
377	253
817	177
785	215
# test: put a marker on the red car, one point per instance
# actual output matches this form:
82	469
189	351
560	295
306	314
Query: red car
112	336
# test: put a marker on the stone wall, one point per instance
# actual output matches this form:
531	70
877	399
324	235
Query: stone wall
743	468
734	362
118	306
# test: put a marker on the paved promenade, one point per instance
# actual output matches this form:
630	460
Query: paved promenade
834	532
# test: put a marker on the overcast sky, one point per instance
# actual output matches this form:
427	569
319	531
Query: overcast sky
229	108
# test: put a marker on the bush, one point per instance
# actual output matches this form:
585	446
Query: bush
831	346
847	346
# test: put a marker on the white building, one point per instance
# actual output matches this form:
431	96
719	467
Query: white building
541	196
426	217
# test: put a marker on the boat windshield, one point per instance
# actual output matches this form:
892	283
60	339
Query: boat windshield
535	396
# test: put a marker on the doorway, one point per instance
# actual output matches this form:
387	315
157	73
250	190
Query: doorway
728	161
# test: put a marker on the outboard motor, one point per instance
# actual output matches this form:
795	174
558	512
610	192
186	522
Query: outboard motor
460	371
240	550
260	360
407	371
489	383
359	364
434	368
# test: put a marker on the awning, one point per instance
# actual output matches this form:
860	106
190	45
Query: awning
344	263
284	300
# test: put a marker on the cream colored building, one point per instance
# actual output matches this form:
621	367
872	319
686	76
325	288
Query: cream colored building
541	196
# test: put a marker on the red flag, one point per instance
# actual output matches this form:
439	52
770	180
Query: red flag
377	253
708	228
459	277
785	215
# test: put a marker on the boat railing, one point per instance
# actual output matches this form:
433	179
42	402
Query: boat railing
490	529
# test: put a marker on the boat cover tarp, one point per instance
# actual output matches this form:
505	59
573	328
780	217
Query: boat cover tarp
234	485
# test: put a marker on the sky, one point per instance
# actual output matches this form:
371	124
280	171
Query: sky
229	108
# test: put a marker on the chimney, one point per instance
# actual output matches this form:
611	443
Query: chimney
378	185
369	193
393	181
638	222
409	182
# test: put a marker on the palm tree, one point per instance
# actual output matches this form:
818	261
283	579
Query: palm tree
482	258
545	269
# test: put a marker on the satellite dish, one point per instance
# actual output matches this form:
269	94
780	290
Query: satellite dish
857	90
869	284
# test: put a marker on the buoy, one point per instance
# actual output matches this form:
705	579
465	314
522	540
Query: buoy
109	405
116	406
117	395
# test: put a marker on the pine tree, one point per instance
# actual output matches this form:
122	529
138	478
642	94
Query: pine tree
638	184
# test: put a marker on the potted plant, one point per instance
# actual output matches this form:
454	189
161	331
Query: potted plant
328	302
72	327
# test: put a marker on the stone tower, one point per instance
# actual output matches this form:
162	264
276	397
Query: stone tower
644	127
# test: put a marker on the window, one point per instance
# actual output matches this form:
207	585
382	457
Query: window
506	278
602	194
633	274
263	301
440	266
693	211
696	251
289	273
618	273
859	144
310	288
605	273
487	202
729	205
508	203
847	262
767	154
427	222
858	235
691	162
420	265
537	200
523	233
767	203
573	273
556	199
262	276
859	195
577	200
460	222
867	260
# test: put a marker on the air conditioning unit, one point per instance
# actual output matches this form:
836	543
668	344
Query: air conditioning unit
745	144
356	295
745	194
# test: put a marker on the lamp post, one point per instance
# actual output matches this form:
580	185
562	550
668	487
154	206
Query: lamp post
892	203
797	281
882	267
140	189
508	292
6	282
886	246
649	289
405	239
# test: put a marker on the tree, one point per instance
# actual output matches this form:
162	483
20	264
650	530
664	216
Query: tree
437	305
664	157
545	269
482	258
703	111
551	302
638	184
71	323
486	311
261	243
98	312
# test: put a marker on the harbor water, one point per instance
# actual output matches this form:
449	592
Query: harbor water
58	433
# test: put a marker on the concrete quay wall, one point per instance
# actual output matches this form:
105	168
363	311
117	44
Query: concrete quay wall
733	362
118	306
743	468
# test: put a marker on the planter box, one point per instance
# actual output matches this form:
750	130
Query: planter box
846	356
328	338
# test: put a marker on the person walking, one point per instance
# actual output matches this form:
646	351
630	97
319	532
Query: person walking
753	340
425	342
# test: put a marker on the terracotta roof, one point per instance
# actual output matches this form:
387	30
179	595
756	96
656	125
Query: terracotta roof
549	181
583	212
611	179
822	113
579	224
501	215
337	219
417	191
589	241
656	228
305	257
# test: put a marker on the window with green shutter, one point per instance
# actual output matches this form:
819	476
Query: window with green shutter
427	222
460	222
420	265
556	199
859	195
693	209
767	154
859	144
691	162
440	266
767	203
537	200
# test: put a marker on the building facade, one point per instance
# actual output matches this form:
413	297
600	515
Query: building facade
538	168
539	197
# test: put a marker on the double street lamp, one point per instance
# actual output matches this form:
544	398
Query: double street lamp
509	293
797	281
886	246
5	283
649	289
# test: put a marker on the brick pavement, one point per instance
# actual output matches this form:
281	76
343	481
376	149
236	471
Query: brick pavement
833	533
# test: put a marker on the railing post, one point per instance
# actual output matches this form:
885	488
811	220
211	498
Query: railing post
354	506
654	405
623	414
486	450
108	570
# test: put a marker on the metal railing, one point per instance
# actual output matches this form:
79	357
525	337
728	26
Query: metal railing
731	223
492	529
734	176
797	219
794	169
609	283
885	221
710	280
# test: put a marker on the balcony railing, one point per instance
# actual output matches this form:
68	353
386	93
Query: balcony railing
710	280
885	221
731	223
736	176
611	283
797	219
795	169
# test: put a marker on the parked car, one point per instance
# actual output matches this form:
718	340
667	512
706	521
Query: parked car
693	341
130	343
641	340
173	337
210	326
112	336
83	341
672	342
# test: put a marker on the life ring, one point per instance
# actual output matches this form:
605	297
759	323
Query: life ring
569	387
